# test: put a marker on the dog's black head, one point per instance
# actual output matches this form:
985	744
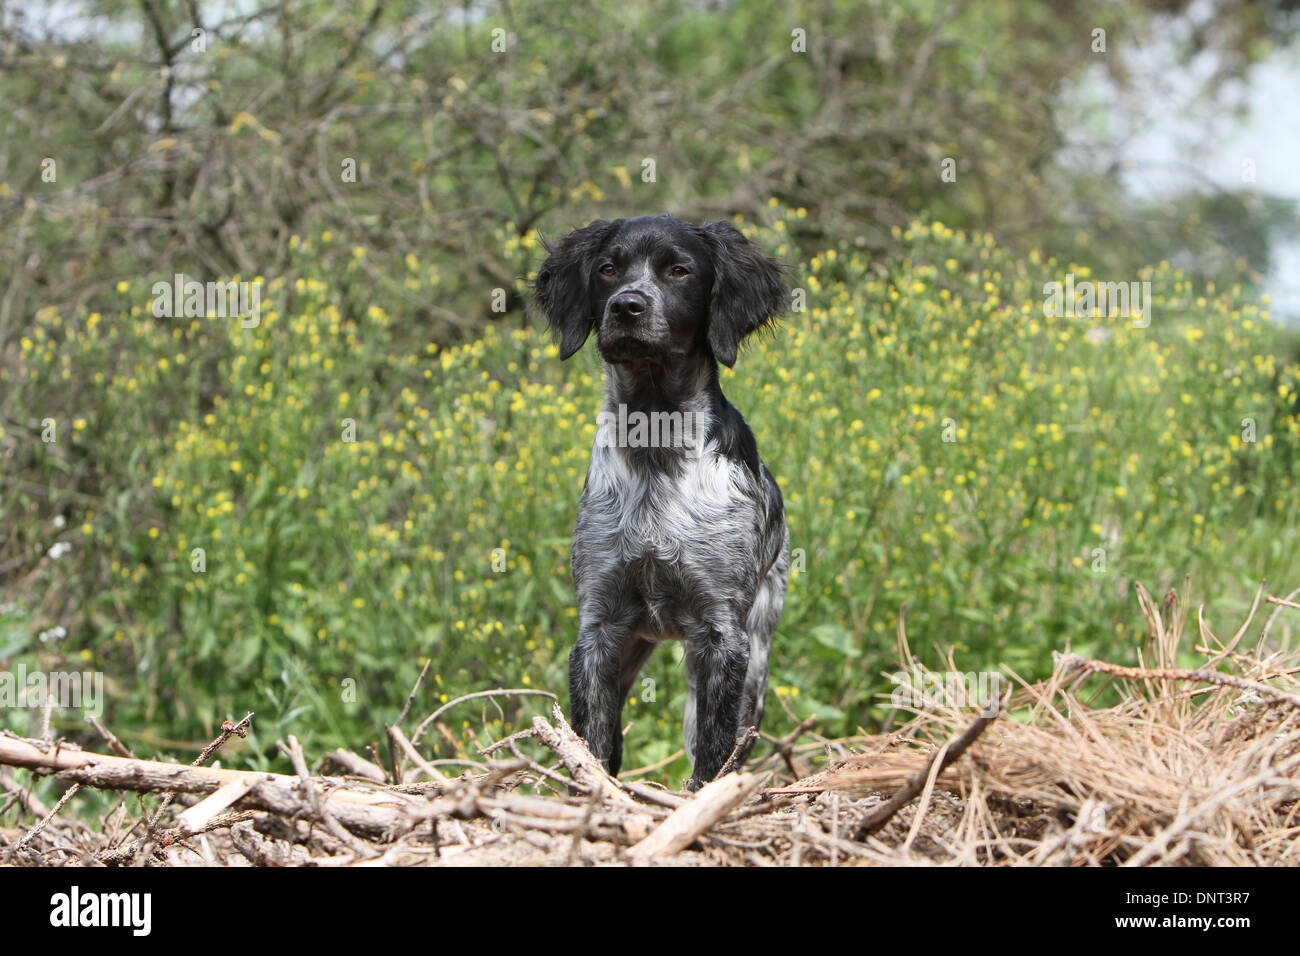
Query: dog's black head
658	290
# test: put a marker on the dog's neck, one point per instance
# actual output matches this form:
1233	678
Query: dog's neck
683	398
688	385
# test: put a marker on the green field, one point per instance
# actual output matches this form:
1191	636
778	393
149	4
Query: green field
945	448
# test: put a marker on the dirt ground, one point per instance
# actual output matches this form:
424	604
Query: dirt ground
1192	766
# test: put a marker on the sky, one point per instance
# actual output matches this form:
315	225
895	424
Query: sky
1169	138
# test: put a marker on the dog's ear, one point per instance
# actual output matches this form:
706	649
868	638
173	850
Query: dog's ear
562	287
749	290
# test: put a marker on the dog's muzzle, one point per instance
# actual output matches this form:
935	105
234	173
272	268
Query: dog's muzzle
626	334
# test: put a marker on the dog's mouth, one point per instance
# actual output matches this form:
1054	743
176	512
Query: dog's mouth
627	348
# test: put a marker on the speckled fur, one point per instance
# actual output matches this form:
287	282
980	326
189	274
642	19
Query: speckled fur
672	543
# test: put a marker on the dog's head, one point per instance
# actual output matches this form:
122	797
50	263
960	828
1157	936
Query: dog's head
658	290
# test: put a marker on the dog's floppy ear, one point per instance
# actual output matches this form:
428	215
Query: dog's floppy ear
749	290
561	289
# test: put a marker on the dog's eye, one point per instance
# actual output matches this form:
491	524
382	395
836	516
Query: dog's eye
679	272
607	269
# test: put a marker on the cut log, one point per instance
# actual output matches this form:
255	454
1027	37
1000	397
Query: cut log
684	826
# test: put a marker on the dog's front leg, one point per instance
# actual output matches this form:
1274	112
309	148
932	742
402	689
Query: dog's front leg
720	659
594	697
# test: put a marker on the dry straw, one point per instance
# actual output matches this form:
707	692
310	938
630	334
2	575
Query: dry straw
1194	759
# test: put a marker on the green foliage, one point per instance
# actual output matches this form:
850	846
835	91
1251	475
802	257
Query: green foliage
429	126
335	568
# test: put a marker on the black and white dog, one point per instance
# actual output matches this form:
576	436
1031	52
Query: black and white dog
681	539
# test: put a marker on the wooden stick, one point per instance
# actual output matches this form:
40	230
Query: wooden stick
410	698
946	755
577	757
498	692
67	795
119	748
685	824
196	817
405	746
24	795
742	744
364	811
308	788
228	730
784	746
357	765
664	798
1073	662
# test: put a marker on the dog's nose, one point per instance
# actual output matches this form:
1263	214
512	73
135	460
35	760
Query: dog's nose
627	306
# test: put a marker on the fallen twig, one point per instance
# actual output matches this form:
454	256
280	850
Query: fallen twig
396	736
365	811
307	786
576	756
944	757
713	802
357	765
41	824
498	692
1069	663
198	816
738	752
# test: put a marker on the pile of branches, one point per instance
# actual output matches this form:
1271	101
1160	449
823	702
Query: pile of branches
1185	766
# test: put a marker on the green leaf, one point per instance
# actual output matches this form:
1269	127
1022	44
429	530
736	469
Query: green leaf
837	639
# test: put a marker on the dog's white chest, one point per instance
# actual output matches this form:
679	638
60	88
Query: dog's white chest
671	514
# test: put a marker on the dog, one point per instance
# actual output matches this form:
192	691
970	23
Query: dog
677	540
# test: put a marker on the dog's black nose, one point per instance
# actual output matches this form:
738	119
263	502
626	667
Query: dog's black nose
627	306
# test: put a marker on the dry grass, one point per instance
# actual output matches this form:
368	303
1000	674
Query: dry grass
1192	766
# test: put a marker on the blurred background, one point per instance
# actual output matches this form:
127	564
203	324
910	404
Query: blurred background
293	517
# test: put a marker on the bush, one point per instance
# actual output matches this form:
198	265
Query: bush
946	450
